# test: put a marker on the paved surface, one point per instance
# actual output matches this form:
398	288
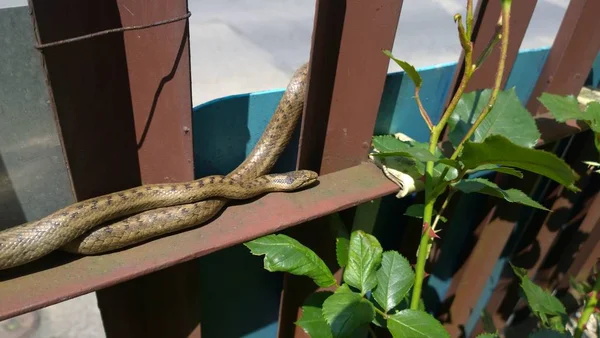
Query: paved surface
240	46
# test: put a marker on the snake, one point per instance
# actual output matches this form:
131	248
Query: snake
153	210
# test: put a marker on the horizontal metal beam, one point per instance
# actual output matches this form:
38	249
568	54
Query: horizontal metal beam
34	286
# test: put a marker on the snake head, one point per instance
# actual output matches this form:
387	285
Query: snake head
294	180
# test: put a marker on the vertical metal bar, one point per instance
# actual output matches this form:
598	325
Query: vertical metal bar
495	230
123	107
347	76
560	259
505	297
589	251
574	49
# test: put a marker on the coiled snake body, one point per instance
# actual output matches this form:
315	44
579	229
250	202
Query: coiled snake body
162	208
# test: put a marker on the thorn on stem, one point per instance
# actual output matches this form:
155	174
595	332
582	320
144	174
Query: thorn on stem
430	232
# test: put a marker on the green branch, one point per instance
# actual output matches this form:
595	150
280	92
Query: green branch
430	199
422	110
469	18
590	306
490	47
497	81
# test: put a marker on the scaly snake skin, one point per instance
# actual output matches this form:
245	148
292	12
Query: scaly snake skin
162	208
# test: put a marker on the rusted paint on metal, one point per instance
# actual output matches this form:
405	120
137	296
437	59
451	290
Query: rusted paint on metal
90	91
534	253
574	49
589	252
158	64
61	277
123	105
158	61
128	307
494	232
552	273
369	27
326	40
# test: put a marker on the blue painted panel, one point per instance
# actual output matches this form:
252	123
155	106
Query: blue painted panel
226	130
593	79
526	70
398	111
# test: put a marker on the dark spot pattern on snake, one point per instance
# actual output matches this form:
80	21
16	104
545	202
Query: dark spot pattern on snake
259	162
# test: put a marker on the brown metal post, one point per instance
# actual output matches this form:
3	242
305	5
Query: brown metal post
560	201
574	49
495	230
589	251
123	107
347	76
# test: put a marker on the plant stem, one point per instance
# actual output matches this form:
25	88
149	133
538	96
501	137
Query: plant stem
490	46
383	314
461	87
422	109
589	308
430	200
497	81
443	208
434	137
469	18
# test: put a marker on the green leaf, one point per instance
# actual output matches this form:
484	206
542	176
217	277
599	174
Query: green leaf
346	312
364	258
499	150
416	155
312	320
394	278
541	302
488	335
488	322
283	253
544	333
408	69
388	145
563	108
341	250
508	118
557	323
592	111
493	167
416	211
486	187
342	238
415	324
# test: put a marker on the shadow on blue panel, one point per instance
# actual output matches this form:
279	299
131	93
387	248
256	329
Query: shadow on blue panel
234	283
226	130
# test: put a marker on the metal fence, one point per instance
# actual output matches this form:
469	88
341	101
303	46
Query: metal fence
152	140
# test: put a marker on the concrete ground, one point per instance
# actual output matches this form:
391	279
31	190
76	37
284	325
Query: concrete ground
240	46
